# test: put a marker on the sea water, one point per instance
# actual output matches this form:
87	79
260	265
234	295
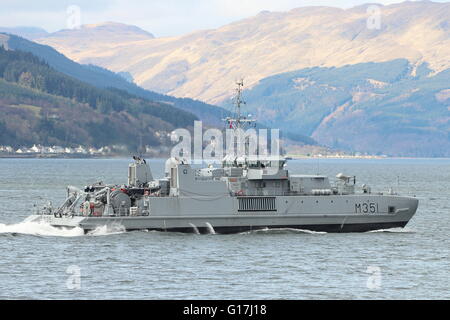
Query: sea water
38	261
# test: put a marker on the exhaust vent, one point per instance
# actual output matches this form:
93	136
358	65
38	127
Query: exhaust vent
257	204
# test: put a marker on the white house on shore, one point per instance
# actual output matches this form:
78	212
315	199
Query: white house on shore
36	148
8	149
40	149
81	150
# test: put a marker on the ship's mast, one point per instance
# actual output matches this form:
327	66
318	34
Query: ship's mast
238	101
238	122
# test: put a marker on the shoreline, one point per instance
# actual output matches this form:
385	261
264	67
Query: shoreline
76	156
164	156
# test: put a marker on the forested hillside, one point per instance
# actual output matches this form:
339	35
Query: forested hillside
41	105
103	78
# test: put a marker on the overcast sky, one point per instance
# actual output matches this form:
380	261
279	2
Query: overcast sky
160	17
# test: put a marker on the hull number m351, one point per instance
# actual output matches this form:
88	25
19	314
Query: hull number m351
366	207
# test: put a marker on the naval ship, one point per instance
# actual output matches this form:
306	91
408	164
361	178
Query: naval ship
243	194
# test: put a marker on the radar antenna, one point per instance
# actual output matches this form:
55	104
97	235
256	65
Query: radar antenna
238	122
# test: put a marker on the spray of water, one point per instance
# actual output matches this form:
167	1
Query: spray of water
210	228
194	228
107	230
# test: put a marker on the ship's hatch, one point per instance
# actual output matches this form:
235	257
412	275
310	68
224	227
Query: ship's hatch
257	204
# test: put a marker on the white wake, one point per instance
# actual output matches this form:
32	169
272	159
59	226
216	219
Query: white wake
39	229
283	230
45	229
107	230
394	230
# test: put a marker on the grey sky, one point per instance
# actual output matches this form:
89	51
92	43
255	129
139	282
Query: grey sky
160	17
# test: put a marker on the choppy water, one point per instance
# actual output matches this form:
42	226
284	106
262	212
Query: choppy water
41	262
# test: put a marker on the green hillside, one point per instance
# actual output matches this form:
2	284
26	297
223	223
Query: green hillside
103	78
389	108
41	105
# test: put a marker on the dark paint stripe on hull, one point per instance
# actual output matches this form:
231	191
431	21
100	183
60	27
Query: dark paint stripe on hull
329	228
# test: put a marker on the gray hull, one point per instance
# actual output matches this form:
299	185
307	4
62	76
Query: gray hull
350	213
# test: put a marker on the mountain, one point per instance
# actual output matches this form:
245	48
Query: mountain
318	71
105	35
204	64
103	78
368	107
29	33
40	105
